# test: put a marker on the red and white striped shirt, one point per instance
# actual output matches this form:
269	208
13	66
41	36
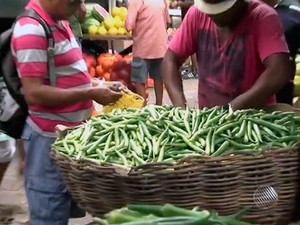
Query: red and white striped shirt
29	46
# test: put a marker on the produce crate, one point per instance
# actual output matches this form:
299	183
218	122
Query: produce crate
224	184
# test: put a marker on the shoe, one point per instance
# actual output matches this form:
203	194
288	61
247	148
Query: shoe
186	74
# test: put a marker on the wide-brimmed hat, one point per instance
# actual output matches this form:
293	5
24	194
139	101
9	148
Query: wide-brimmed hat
214	8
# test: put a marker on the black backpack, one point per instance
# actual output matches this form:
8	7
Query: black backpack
13	107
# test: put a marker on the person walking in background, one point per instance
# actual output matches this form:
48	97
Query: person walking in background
7	151
289	14
148	21
185	6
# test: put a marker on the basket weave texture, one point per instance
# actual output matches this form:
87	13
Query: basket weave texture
224	184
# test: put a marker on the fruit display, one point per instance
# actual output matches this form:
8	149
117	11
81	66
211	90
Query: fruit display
297	77
98	22
95	15
112	67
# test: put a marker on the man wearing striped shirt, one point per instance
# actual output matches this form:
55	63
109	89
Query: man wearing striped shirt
69	103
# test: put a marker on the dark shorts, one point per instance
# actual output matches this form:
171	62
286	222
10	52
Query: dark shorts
48	199
141	68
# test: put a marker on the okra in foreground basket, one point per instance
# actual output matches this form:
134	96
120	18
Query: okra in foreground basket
167	215
134	137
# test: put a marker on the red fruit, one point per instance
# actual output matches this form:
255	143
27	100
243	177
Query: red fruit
92	71
90	60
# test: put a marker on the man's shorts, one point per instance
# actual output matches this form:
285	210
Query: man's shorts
141	68
7	148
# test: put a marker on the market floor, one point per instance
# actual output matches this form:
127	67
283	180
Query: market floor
12	198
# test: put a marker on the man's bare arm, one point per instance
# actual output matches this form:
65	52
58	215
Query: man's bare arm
36	93
276	75
172	78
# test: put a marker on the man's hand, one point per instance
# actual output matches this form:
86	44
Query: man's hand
105	95
172	78
174	5
276	75
114	83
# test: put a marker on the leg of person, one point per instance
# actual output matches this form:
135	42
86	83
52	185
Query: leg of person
21	155
286	94
155	74
3	168
139	75
48	200
194	65
7	151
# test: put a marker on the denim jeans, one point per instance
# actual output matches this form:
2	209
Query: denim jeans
48	199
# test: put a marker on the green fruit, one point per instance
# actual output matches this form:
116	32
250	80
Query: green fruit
89	22
88	14
96	14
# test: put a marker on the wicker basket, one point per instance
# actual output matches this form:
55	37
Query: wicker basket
224	184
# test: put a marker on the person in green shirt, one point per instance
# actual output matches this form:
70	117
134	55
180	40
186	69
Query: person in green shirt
75	22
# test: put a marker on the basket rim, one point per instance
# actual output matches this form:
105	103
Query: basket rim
162	167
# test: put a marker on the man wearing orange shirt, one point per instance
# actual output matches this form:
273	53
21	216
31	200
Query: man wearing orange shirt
148	20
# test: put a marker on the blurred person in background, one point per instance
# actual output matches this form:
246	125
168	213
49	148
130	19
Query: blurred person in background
289	14
242	55
5	141
184	5
148	21
7	151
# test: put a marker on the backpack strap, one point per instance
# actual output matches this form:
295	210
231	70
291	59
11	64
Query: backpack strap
50	50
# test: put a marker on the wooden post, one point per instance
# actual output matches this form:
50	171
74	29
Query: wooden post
112	3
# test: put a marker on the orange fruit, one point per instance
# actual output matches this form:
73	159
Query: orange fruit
99	71
92	71
106	76
107	63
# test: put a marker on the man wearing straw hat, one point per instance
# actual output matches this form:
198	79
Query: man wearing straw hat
241	53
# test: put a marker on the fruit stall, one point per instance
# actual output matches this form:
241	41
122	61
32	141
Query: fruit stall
184	163
297	77
102	25
99	25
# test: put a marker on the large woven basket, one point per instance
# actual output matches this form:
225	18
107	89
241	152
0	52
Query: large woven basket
224	184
